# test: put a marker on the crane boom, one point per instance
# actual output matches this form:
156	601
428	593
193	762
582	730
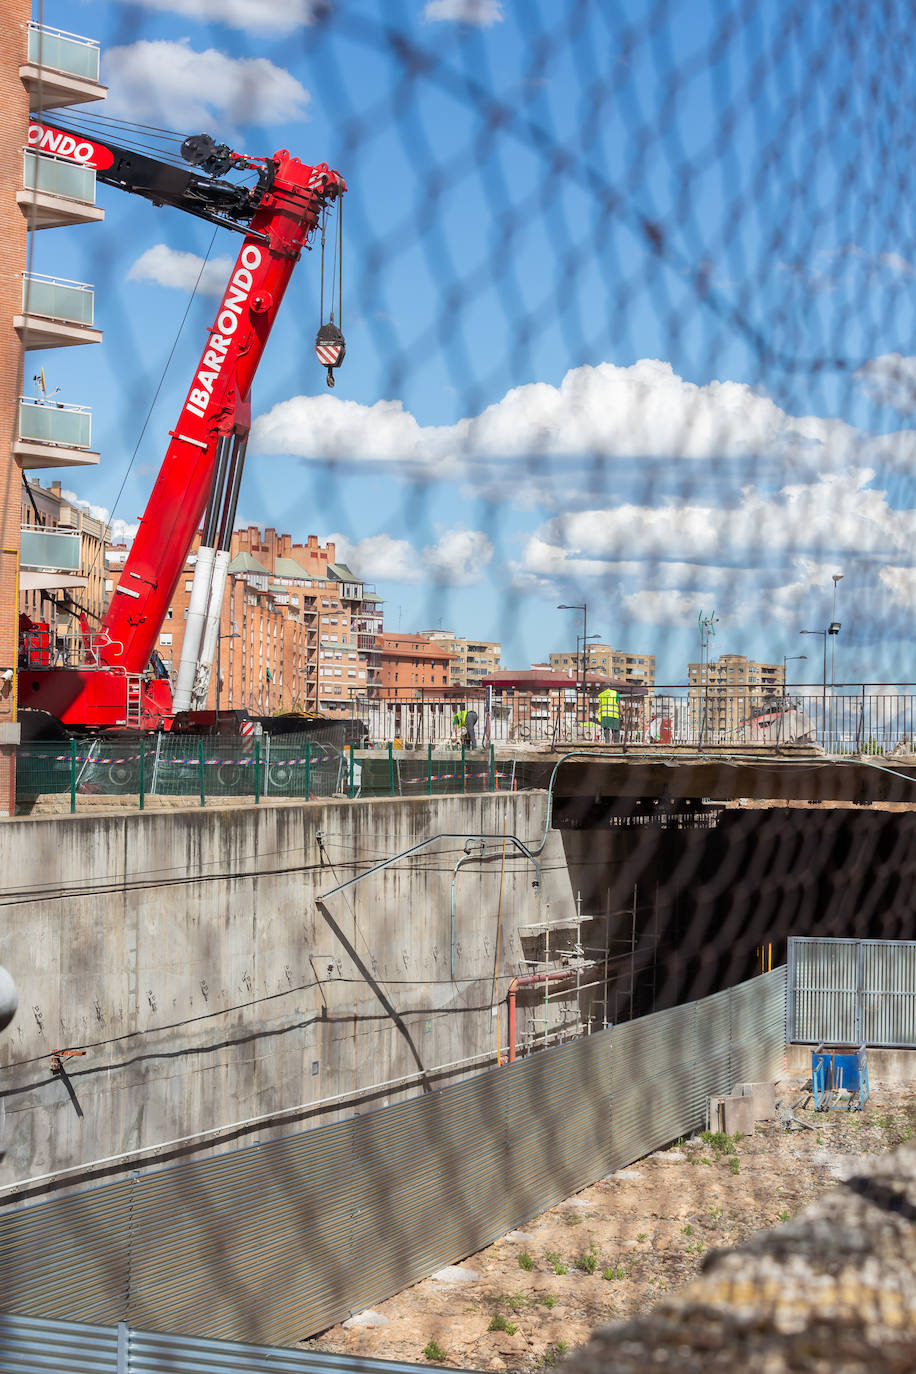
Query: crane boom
282	211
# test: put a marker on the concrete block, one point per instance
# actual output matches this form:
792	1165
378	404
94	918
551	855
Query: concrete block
737	1115
763	1096
10	732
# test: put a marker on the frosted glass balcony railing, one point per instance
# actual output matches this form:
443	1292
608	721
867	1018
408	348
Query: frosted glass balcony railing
55	424
57	299
59	178
64	52
57	549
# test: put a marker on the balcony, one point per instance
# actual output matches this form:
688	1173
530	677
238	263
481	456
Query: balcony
57	192
55	313
53	435
61	69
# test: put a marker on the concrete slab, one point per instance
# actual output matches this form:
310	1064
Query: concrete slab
763	1096
737	1115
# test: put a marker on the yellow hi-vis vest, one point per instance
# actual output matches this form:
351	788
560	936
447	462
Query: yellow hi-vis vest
460	719
608	705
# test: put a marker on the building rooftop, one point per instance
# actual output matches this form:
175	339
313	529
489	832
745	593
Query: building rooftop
245	563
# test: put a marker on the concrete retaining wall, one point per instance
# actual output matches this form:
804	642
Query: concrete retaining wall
187	956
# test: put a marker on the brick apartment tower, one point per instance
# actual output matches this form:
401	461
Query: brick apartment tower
14	102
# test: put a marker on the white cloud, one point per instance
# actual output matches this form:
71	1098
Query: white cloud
483	13
900	584
837	515
122	532
171	85
644	411
457	559
168	267
257	16
890	380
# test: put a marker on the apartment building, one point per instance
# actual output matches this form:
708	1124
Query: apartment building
472	659
412	665
721	694
298	630
62	563
41	68
603	659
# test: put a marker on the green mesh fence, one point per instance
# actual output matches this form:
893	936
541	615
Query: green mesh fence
258	768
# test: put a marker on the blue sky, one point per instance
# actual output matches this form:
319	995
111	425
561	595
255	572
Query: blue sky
627	298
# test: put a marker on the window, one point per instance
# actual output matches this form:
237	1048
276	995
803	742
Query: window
325	620
338	672
188	586
168	614
351	672
165	639
362	674
109	584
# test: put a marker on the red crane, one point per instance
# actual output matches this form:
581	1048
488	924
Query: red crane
113	683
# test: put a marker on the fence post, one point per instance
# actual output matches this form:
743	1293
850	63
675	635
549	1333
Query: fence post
257	771
308	769
464	775
142	771
429	769
350	786
492	778
390	769
72	776
200	766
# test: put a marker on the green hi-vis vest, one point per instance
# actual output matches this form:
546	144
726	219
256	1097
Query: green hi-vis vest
460	718
609	704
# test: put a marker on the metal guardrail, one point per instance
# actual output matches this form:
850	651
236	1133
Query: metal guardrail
848	720
851	992
284	1238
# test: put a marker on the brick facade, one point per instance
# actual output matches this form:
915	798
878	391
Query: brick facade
14	102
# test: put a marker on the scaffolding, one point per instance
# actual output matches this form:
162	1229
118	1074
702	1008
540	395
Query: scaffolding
564	961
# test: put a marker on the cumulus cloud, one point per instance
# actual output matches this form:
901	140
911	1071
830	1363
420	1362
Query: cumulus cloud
171	84
837	515
257	16
459	558
645	411
167	267
482	13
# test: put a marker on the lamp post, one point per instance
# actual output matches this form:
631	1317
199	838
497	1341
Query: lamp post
584	609
823	635
834	629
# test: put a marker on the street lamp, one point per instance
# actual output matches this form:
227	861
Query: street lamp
787	658
584	609
823	635
834	629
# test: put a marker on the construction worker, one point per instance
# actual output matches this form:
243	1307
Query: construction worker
609	713
464	723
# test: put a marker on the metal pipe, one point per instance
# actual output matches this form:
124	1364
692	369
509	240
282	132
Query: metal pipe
531	980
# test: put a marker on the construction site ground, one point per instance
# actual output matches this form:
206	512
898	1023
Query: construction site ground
613	1249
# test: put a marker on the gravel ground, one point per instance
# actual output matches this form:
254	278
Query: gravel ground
610	1251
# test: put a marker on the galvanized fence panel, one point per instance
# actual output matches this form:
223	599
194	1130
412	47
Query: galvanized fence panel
846	991
30	1345
279	1240
41	1345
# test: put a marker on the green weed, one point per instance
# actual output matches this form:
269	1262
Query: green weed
500	1323
613	1272
587	1263
525	1262
734	1164
433	1352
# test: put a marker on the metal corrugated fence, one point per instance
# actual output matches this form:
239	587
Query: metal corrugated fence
276	1241
852	992
31	1345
